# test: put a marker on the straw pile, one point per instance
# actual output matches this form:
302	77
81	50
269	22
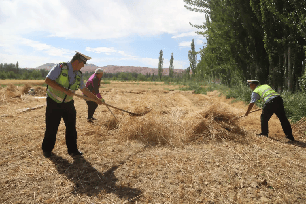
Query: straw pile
12	91
300	127
26	89
148	130
161	127
40	91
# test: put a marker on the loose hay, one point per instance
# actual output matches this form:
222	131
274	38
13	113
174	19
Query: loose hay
8	93
25	89
174	129
111	124
40	91
147	130
217	123
300	127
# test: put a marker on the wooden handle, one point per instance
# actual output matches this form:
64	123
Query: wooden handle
85	97
249	113
90	99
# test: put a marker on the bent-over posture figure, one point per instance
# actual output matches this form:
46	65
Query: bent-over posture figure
93	85
273	104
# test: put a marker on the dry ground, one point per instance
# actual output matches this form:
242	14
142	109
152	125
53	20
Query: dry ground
188	149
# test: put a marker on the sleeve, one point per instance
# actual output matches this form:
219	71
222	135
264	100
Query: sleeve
254	97
54	72
82	85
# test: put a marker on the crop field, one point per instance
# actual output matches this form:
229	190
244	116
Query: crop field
190	148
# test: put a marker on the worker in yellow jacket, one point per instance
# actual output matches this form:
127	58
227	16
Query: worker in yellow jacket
273	103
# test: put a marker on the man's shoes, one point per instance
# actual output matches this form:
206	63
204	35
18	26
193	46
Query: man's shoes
261	135
291	138
76	153
47	154
93	118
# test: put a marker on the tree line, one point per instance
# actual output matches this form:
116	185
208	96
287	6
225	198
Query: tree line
12	71
252	39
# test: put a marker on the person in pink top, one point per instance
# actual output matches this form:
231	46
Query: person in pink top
93	85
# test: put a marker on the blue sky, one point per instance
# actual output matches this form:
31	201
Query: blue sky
117	32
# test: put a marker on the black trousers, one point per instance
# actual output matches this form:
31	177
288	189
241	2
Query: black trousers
92	106
54	113
275	106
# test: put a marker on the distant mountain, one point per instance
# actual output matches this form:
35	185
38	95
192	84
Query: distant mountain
116	69
47	66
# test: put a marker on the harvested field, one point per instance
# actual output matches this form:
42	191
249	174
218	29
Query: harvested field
188	149
14	82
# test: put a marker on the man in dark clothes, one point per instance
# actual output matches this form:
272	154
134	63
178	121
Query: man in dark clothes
273	104
93	85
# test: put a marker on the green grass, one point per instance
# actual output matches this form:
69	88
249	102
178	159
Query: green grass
105	82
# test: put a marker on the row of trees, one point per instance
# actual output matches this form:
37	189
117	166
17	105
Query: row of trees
252	39
126	76
12	71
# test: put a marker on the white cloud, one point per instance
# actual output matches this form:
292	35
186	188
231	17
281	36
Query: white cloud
106	50
185	35
97	19
30	61
33	54
185	44
197	42
50	50
90	19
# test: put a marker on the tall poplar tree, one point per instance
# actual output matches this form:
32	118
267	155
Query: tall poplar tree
171	67
160	64
17	66
192	56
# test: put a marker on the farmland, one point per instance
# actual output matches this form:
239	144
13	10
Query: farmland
189	148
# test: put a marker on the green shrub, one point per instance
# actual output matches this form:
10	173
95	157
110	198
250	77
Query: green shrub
295	105
302	82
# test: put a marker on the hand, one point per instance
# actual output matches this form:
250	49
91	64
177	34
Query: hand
103	101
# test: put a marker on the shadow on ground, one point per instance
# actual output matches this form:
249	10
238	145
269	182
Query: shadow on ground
298	143
91	182
295	142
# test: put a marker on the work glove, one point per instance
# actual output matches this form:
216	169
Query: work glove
103	101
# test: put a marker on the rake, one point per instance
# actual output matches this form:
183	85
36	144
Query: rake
249	113
108	105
